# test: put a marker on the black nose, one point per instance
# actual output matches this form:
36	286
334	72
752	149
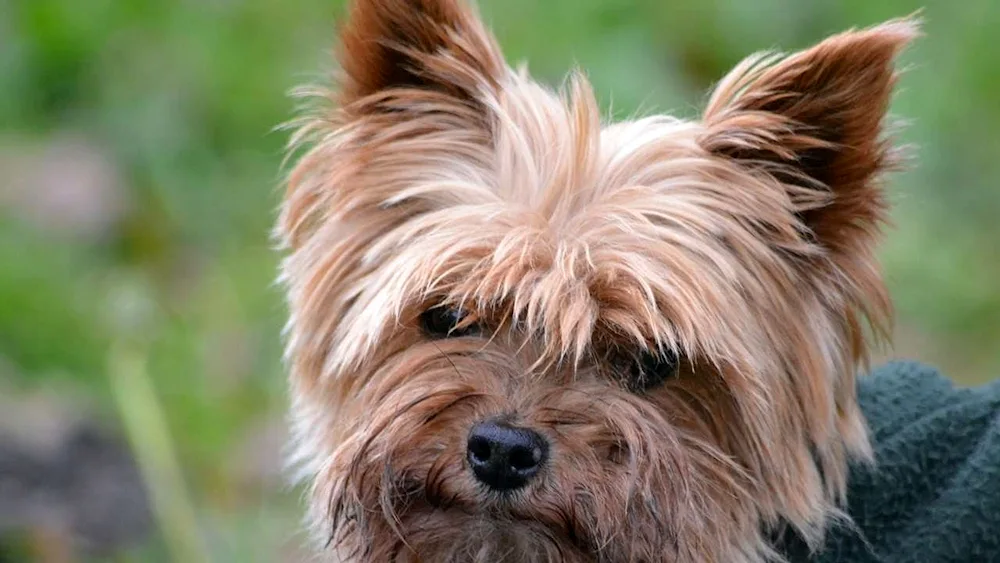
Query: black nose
505	457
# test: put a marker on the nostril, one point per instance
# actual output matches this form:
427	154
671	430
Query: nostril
525	458
479	450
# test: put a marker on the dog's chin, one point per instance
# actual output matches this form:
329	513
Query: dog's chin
450	535
516	527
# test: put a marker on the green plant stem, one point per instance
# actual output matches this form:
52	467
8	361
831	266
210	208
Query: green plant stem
153	446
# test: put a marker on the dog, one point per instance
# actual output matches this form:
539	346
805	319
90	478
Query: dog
520	333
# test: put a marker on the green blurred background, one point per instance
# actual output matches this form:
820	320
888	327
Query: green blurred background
139	173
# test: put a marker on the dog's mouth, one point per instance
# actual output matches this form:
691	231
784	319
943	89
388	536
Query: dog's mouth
450	535
428	523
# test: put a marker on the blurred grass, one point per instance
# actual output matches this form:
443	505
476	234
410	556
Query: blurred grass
178	98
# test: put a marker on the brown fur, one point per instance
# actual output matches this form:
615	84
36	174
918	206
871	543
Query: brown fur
745	241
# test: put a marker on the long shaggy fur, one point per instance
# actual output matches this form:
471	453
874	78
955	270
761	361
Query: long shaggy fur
744	242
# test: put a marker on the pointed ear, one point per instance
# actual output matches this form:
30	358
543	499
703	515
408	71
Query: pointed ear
439	46
815	121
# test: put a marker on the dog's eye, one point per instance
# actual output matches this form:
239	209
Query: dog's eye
445	322
652	369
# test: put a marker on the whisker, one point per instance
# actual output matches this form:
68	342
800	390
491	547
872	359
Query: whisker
447	358
461	399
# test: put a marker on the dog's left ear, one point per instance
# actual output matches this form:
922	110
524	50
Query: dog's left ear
815	120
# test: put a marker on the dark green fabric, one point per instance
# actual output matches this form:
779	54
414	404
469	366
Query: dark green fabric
934	494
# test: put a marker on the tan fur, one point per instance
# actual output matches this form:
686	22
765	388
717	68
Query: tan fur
436	174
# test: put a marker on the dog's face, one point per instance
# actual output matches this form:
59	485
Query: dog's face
520	334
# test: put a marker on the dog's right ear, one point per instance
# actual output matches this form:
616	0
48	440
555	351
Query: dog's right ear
435	46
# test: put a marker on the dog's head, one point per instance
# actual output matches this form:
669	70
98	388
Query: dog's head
520	333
